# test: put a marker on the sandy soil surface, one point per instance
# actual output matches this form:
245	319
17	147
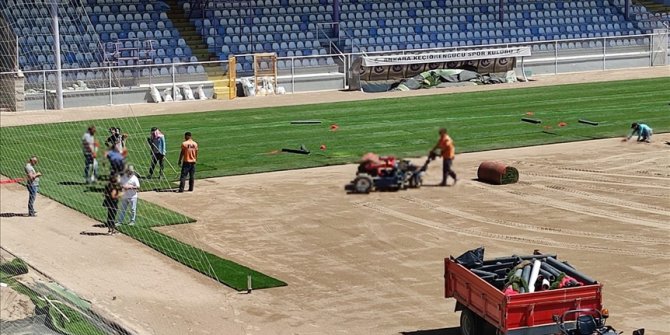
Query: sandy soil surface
373	264
13	305
119	111
365	264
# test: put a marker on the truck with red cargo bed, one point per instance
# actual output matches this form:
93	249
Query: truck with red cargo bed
485	309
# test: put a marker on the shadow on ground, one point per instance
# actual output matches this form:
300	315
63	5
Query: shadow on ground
11	215
166	190
92	233
441	331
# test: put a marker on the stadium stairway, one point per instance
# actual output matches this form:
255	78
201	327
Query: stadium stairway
653	6
194	39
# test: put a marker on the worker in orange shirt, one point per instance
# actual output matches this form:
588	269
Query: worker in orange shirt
187	159
446	146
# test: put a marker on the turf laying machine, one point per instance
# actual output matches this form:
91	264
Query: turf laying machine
387	173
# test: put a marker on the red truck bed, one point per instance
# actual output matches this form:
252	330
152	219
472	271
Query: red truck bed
515	314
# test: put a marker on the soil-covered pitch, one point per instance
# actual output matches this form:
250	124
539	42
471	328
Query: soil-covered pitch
365	264
370	264
373	264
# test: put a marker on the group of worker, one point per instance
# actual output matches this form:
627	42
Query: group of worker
124	182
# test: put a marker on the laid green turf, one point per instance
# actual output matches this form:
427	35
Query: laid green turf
239	142
250	141
227	272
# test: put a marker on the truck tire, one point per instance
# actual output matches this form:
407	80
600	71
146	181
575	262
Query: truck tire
471	323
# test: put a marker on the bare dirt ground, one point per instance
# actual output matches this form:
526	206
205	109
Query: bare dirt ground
370	264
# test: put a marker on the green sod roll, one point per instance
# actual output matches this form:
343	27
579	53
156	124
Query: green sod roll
588	122
525	119
497	173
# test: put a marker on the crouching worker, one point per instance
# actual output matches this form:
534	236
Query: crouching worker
642	131
117	163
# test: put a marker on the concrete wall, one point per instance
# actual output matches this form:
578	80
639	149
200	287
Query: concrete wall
11	85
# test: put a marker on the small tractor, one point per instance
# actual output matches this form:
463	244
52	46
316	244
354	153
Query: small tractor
588	322
387	174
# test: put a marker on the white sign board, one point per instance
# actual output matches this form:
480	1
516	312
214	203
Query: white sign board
449	56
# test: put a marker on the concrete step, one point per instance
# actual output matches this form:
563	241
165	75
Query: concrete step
654	6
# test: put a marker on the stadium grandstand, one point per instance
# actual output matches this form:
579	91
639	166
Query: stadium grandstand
106	44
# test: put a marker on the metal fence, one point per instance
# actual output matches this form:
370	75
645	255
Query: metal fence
131	84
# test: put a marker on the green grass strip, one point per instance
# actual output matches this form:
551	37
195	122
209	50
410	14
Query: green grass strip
204	262
250	141
68	321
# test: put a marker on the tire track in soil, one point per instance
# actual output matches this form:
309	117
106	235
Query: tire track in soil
602	188
607	174
502	237
518	225
634	163
603	199
601	181
603	172
579	209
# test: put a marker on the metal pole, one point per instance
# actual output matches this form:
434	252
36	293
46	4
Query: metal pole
59	73
604	53
651	50
292	75
346	71
501	15
336	17
555	57
16	65
44	88
627	10
174	84
109	76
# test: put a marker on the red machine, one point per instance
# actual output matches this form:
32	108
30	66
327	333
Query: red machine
385	173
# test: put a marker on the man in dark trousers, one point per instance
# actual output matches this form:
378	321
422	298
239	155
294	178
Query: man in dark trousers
112	193
446	145
157	144
188	155
33	184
